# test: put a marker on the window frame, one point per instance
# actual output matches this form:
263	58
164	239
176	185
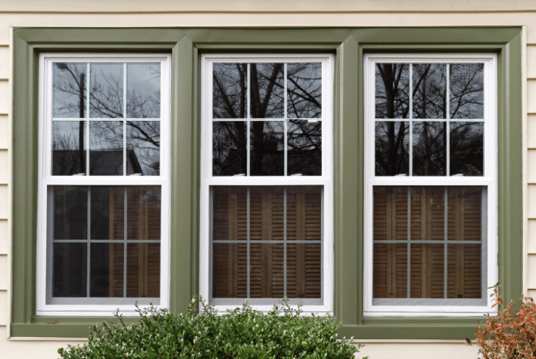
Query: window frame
98	306
325	180
488	180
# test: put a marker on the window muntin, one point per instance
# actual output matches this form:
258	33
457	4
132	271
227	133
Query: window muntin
430	184
104	183
264	119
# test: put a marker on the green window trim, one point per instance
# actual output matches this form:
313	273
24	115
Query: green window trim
186	45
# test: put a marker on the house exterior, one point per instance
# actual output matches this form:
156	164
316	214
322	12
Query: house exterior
369	159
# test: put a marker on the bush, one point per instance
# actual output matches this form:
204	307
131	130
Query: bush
511	334
241	333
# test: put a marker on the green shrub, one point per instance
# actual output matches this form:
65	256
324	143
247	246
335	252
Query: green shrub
241	333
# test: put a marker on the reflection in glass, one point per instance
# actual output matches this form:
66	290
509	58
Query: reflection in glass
106	148
392	148
69	90
392	90
267	90
106	272
229	155
106	91
229	270
68	148
69	216
429	148
229	90
143	90
467	148
304	90
69	272
143	270
429	88
143	148
467	91
304	149
267	148
143	212
229	213
107	212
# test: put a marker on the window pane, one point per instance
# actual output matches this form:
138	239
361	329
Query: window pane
68	148
392	148
304	90
391	213
143	270
429	148
304	213
392	90
267	148
107	270
427	213
143	148
143	212
229	153
467	148
427	271
467	91
106	148
266	213
229	270
390	270
107	212
229	90
304	148
465	213
267	275
267	90
304	270
69	90
464	271
69	216
106	90
143	90
69	272
429	88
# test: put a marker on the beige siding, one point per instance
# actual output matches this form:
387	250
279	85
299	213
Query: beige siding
198	13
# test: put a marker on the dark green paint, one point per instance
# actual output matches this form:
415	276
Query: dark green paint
186	45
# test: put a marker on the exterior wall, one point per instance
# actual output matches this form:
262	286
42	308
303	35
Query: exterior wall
277	13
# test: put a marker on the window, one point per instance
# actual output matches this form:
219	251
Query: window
266	188
104	183
431	184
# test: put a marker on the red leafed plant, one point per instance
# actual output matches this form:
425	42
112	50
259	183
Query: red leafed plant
511	334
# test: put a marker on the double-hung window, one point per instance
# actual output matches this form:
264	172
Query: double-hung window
430	184
103	226
266	180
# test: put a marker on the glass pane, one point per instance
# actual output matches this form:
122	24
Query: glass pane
392	90
390	213
107	212
304	90
229	270
267	274
106	148
429	148
107	269
429	88
69	212
467	148
304	213
143	148
304	270
69	90
143	270
390	270
143	90
266	213
69	270
427	213
392	148
68	148
229	145
427	271
106	91
467	91
229	213
229	90
465	217
267	148
143	212
267	90
464	271
304	149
